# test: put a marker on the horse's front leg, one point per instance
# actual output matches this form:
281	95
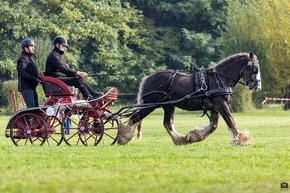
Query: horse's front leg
197	135
239	138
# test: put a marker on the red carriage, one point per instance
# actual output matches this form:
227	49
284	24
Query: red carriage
64	118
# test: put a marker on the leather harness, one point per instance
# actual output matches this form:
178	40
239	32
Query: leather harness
201	82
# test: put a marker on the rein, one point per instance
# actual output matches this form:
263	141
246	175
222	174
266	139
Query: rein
129	110
165	93
235	81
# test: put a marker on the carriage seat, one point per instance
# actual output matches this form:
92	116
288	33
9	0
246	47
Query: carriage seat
54	87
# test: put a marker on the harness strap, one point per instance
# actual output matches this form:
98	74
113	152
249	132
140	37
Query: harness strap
219	91
235	81
172	80
205	113
155	92
201	79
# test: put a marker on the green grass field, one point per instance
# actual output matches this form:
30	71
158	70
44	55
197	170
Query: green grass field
155	164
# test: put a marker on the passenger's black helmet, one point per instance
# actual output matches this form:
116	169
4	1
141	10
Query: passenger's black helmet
27	42
60	40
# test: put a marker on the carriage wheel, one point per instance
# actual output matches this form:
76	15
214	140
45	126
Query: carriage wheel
28	129
82	125
111	131
54	136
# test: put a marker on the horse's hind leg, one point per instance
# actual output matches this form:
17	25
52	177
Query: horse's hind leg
168	120
197	135
139	131
126	132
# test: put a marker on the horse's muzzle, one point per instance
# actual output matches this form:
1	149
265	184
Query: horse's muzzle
254	85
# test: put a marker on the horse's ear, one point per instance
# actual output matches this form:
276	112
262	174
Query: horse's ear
251	55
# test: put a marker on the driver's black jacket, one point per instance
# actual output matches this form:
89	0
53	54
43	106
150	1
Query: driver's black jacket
56	65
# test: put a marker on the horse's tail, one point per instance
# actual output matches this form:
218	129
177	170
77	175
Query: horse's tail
140	93
140	101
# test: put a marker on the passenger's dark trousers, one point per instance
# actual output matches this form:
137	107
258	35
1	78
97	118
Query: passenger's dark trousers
80	84
30	98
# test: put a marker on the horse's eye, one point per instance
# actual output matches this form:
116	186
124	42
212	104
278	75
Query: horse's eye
255	70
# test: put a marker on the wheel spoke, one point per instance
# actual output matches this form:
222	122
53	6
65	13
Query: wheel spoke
71	136
91	136
19	125
78	141
37	138
25	122
109	135
54	131
53	139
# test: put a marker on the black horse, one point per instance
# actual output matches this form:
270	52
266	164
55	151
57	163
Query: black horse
205	89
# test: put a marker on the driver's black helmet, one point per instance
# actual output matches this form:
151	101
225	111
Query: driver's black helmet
60	40
27	42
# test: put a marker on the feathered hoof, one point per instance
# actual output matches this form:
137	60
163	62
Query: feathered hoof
122	142
195	135
181	140
192	137
243	139
125	134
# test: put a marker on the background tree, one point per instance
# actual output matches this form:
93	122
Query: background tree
262	27
187	31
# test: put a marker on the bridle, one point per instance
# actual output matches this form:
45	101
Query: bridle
250	83
254	71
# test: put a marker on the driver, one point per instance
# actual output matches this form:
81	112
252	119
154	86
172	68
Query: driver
58	68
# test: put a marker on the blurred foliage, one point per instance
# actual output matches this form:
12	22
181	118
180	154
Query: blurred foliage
242	99
262	27
15	100
188	31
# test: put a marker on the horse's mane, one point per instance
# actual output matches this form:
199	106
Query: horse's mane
233	58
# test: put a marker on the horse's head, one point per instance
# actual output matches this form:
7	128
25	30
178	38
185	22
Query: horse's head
251	73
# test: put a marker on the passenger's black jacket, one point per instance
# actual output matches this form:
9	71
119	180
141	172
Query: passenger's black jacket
27	72
56	66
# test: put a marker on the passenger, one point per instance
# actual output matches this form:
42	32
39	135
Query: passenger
58	68
27	70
